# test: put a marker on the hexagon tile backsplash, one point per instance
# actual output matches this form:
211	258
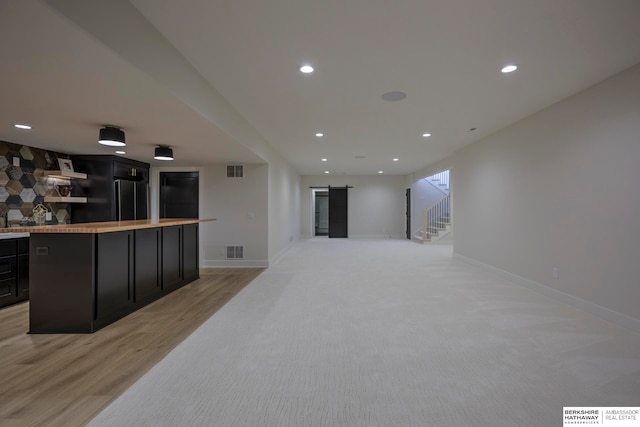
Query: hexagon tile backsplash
24	187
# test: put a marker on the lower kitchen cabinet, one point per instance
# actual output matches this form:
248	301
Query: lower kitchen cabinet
147	277
14	271
114	274
190	254
81	282
172	273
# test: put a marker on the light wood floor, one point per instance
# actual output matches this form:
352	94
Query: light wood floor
66	380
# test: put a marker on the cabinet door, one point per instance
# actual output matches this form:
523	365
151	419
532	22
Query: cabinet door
23	277
123	170
8	267
23	269
171	257
114	273
147	264
8	279
190	261
7	292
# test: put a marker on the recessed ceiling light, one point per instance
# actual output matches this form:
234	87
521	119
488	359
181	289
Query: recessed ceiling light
393	96
380	172
326	171
306	69
395	160
121	152
509	68
324	160
426	135
21	126
319	134
359	157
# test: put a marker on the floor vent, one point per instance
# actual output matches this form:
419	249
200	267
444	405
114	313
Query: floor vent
235	171
235	252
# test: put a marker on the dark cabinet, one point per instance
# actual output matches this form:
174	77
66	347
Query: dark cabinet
130	170
147	264
114	274
171	257
14	271
116	189
82	282
7	292
190	253
180	262
23	277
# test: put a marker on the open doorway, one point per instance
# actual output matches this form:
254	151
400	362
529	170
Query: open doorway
321	216
179	195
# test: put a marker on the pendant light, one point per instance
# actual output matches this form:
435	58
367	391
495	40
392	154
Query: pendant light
163	153
112	136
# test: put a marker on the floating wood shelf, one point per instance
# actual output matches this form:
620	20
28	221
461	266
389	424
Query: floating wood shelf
53	199
65	174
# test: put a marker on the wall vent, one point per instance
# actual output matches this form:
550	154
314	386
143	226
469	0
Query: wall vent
235	171
235	252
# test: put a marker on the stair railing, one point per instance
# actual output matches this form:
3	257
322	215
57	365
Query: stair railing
435	214
443	177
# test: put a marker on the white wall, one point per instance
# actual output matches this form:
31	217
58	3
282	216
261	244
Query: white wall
240	207
238	204
559	189
376	204
283	206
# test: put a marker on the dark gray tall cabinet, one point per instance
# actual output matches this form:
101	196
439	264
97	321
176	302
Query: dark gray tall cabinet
116	189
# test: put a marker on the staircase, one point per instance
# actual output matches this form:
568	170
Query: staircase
436	220
440	181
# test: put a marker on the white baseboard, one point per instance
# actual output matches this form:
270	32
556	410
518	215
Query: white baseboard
236	263
276	257
363	236
607	314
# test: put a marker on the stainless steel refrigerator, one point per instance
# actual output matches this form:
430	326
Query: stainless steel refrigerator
131	199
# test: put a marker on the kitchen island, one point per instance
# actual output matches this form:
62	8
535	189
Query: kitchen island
86	276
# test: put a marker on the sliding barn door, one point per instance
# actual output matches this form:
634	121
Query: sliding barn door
338	212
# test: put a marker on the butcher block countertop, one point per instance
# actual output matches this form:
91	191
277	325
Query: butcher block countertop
104	227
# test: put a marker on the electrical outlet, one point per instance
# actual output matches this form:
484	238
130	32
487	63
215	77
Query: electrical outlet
16	161
555	272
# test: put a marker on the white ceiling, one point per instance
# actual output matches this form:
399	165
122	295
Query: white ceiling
65	76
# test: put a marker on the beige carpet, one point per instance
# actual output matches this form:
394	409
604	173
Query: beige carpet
367	333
